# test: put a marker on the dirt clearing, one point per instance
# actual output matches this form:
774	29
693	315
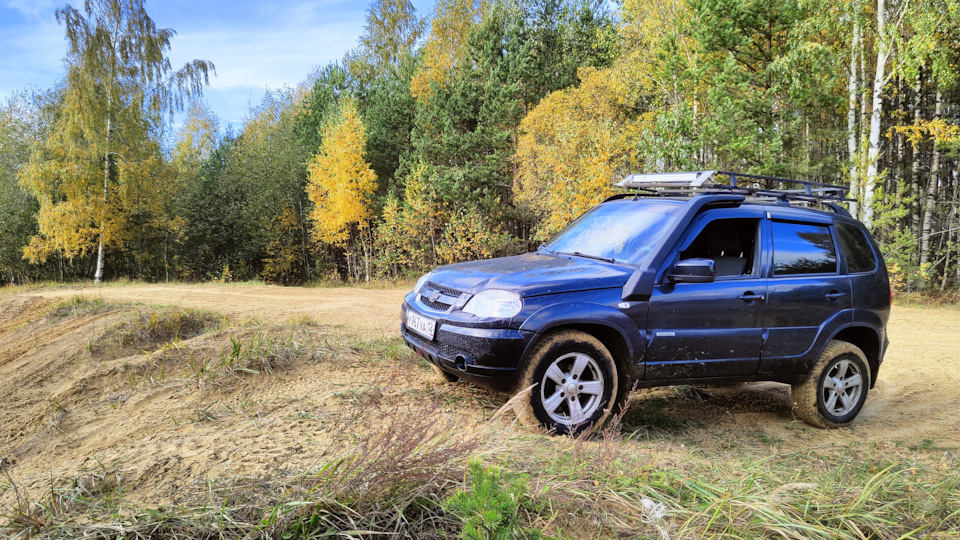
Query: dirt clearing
164	403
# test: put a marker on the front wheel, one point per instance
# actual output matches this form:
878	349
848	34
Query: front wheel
575	383
835	389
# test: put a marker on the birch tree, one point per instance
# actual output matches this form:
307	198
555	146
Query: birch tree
887	32
853	88
120	88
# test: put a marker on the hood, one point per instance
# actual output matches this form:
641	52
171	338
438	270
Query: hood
532	274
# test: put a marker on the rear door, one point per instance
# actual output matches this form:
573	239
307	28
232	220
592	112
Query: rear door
808	296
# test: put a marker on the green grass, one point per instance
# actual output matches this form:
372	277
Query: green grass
417	482
81	305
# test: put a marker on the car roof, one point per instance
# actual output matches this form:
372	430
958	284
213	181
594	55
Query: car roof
776	209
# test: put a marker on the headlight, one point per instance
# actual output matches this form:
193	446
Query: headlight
420	282
494	303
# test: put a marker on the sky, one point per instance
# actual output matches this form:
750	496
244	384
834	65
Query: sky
255	45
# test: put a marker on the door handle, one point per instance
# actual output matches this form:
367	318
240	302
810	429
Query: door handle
835	295
750	297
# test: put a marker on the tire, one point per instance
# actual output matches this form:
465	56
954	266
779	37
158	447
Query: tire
817	400
556	367
443	374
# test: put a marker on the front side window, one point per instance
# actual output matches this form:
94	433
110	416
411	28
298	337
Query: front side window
803	248
729	243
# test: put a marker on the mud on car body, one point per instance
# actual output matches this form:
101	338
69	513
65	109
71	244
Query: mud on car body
686	281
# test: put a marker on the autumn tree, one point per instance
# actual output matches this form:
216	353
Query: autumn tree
340	185
570	148
446	44
90	173
388	39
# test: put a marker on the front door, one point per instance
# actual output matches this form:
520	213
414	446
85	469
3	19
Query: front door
701	330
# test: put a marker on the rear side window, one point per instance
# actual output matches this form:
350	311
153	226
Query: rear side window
857	248
802	248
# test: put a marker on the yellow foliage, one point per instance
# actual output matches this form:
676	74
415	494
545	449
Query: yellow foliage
409	232
196	140
66	175
647	25
446	45
470	236
571	149
340	182
937	129
282	264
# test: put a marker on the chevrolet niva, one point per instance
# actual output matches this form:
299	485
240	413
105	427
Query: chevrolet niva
686	280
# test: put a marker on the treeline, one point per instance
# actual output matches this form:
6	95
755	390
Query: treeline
480	131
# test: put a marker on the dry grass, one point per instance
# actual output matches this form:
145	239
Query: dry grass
402	465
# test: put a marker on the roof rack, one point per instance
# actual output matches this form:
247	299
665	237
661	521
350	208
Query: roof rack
775	189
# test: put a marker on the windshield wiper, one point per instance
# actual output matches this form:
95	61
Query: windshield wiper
586	256
546	249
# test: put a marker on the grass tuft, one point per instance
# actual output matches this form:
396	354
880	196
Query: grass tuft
161	326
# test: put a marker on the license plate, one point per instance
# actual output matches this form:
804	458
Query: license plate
421	325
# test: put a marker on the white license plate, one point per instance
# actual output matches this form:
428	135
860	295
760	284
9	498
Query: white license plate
421	325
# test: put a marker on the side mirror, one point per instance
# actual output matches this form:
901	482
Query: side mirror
693	271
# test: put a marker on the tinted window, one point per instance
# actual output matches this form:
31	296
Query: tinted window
802	249
857	249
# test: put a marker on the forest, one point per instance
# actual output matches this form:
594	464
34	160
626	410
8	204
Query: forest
477	130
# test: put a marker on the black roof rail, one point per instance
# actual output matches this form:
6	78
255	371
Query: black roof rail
775	189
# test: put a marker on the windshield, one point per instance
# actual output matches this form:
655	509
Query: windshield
621	231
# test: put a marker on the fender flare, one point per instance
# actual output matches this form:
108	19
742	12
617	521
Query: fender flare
580	314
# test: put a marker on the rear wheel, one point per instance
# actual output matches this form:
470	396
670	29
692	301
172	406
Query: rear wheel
835	389
575	383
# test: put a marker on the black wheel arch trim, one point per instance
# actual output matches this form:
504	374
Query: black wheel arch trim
868	338
583	316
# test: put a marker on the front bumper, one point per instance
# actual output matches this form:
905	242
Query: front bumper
487	357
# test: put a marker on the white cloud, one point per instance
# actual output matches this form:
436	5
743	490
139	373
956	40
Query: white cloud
269	57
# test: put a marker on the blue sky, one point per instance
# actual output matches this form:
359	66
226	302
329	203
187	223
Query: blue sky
255	45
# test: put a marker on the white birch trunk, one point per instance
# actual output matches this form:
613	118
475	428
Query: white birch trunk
884	49
853	85
98	274
931	190
915	169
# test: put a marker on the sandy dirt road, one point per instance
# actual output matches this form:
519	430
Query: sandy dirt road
917	395
74	404
369	311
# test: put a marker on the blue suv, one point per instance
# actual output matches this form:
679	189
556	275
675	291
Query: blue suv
687	280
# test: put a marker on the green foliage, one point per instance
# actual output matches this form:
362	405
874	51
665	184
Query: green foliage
21	125
333	83
763	77
564	35
247	202
389	38
93	174
488	509
388	109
